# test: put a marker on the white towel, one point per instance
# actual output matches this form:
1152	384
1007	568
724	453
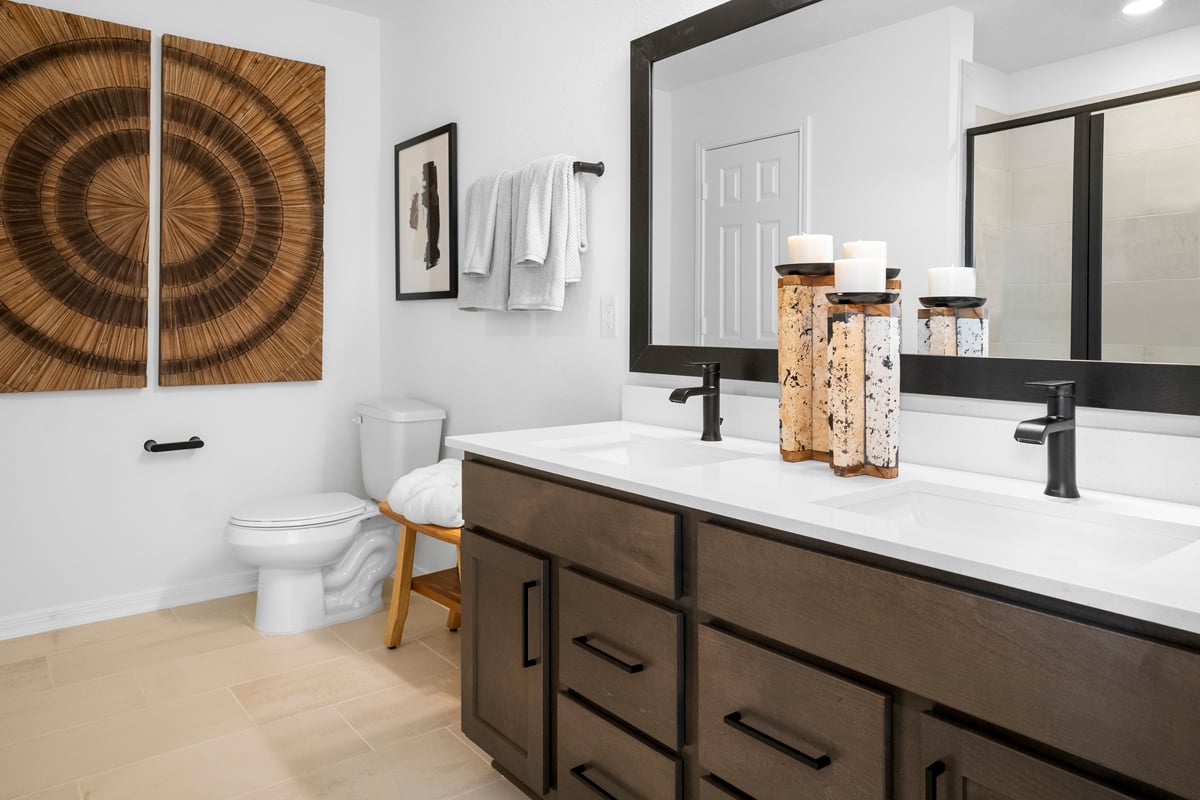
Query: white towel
431	495
480	224
533	287
531	215
489	292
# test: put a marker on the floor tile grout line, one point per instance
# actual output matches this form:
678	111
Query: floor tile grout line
50	672
237	700
477	788
79	788
467	743
350	724
439	655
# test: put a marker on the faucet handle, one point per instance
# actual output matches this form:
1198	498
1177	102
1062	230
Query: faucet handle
709	369
1055	388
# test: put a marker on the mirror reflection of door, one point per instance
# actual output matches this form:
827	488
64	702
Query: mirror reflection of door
749	204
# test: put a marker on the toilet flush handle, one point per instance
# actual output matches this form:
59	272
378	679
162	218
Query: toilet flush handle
356	419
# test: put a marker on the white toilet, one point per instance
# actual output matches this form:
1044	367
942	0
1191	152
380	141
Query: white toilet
322	557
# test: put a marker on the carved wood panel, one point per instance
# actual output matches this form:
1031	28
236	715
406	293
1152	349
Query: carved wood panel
242	216
74	201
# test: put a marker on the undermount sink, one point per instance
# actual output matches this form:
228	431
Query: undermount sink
649	452
1029	532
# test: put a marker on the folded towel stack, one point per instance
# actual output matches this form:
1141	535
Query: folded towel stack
430	495
534	224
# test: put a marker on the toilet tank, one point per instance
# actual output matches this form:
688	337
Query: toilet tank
397	436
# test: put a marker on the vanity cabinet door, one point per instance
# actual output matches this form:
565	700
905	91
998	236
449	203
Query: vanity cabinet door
961	764
505	630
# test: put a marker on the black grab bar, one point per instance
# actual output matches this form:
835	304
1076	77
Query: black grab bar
152	446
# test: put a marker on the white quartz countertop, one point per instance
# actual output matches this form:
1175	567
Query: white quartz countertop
1127	555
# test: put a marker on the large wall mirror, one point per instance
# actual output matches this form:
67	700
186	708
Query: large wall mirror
1053	146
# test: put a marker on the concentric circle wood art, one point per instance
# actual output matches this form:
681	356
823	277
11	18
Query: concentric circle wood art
74	201
242	216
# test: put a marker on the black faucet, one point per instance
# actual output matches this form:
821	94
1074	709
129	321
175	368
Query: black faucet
1059	426
711	392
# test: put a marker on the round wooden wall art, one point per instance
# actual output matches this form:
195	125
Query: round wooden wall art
242	226
74	201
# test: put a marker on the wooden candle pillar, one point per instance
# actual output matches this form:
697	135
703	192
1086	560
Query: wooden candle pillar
952	331
804	367
864	389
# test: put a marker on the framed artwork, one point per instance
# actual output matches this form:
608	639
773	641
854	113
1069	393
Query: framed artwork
427	215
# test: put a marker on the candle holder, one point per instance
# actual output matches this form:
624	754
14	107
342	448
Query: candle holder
864	386
952	326
804	364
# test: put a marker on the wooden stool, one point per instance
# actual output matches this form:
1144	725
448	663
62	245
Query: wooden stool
443	587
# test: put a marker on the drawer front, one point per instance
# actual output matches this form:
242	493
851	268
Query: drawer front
621	653
793	730
634	544
713	788
1117	700
595	757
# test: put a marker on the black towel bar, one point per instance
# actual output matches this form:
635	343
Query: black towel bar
596	168
152	446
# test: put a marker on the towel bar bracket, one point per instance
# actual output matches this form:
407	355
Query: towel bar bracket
593	168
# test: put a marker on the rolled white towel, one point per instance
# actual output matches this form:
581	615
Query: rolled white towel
431	495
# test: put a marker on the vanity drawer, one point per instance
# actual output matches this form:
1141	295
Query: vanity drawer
595	756
1103	696
632	543
790	731
621	653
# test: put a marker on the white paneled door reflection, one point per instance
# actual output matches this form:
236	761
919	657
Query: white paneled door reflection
749	204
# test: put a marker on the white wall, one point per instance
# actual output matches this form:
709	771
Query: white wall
522	80
90	524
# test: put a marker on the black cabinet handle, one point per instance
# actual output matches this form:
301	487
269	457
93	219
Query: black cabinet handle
734	721
526	661
151	446
577	774
582	641
931	776
725	788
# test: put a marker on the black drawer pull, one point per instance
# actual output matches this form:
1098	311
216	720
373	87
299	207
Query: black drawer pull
734	721
577	774
526	661
582	641
931	776
725	788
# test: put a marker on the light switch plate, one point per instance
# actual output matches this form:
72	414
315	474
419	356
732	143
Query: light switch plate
608	317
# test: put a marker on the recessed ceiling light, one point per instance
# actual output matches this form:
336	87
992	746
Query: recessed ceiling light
1137	7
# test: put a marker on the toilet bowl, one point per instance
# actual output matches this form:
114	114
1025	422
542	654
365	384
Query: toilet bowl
322	557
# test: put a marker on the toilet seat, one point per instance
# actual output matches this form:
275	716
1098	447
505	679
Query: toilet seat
299	511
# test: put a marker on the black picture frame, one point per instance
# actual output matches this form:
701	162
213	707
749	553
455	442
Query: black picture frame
425	170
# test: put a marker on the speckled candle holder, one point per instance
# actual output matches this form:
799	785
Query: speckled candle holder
864	389
804	367
952	331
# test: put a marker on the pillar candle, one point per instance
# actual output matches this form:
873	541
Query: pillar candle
865	250
810	248
951	282
859	275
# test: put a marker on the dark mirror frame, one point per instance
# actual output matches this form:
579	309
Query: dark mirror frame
1164	388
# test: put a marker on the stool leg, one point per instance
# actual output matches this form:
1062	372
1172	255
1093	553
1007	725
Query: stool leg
454	619
401	587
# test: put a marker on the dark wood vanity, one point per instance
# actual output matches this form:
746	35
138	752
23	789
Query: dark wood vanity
618	646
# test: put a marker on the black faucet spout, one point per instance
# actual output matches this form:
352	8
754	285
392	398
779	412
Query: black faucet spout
1056	431
710	390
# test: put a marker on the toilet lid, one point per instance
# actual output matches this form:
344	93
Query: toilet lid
299	510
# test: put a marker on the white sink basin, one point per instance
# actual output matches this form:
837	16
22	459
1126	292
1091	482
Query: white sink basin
1035	534
668	451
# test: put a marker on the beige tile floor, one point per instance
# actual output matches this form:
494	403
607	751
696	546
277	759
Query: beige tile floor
193	703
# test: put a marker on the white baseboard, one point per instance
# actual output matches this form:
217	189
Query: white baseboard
124	605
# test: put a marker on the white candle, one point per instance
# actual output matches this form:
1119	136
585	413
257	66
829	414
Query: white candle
951	282
810	248
865	250
859	275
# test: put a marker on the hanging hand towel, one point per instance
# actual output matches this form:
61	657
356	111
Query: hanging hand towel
535	287
480	225
489	292
531	216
